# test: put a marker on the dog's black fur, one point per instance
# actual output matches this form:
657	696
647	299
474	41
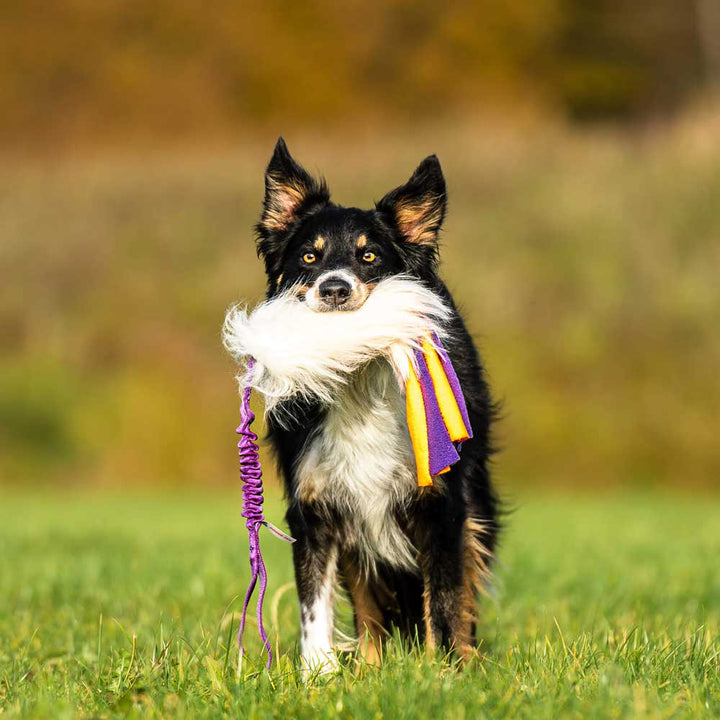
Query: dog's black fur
435	603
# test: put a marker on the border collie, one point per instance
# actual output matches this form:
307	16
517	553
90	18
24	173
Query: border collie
412	560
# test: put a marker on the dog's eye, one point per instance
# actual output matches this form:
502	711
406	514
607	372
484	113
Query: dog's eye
309	258
369	257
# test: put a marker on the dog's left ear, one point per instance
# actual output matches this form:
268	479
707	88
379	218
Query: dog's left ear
416	209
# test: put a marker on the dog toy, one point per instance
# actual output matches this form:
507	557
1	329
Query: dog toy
436	413
252	491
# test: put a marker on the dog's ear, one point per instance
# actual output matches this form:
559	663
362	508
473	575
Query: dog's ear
416	209
290	192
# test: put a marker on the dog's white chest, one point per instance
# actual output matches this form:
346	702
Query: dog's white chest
362	464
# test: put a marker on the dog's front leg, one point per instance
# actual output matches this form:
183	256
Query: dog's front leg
316	575
315	557
448	622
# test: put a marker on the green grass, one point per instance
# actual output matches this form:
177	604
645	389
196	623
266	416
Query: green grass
126	606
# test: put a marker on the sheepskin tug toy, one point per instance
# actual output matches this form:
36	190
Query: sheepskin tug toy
288	350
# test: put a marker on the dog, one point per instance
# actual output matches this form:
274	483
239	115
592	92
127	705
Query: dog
411	560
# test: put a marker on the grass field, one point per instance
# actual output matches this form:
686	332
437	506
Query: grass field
117	605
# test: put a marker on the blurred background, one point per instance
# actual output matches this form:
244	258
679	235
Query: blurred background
581	144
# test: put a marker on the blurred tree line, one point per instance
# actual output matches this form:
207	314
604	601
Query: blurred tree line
124	69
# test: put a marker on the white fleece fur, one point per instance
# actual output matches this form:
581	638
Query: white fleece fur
301	352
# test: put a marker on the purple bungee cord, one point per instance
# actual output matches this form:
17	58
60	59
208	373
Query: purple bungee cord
252	490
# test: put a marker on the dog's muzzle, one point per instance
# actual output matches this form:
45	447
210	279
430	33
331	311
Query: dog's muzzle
337	290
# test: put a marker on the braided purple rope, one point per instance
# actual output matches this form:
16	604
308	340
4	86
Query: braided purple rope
252	489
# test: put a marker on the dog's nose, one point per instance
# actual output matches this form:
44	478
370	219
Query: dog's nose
334	290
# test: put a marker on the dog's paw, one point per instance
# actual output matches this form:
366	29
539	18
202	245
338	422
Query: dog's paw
316	663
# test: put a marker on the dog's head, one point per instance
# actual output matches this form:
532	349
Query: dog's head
333	256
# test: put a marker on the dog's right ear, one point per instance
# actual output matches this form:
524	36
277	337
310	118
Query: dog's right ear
290	192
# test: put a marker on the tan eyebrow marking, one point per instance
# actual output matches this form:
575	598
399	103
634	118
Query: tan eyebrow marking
362	241
319	244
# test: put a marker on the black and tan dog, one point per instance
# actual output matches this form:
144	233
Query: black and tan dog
409	558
